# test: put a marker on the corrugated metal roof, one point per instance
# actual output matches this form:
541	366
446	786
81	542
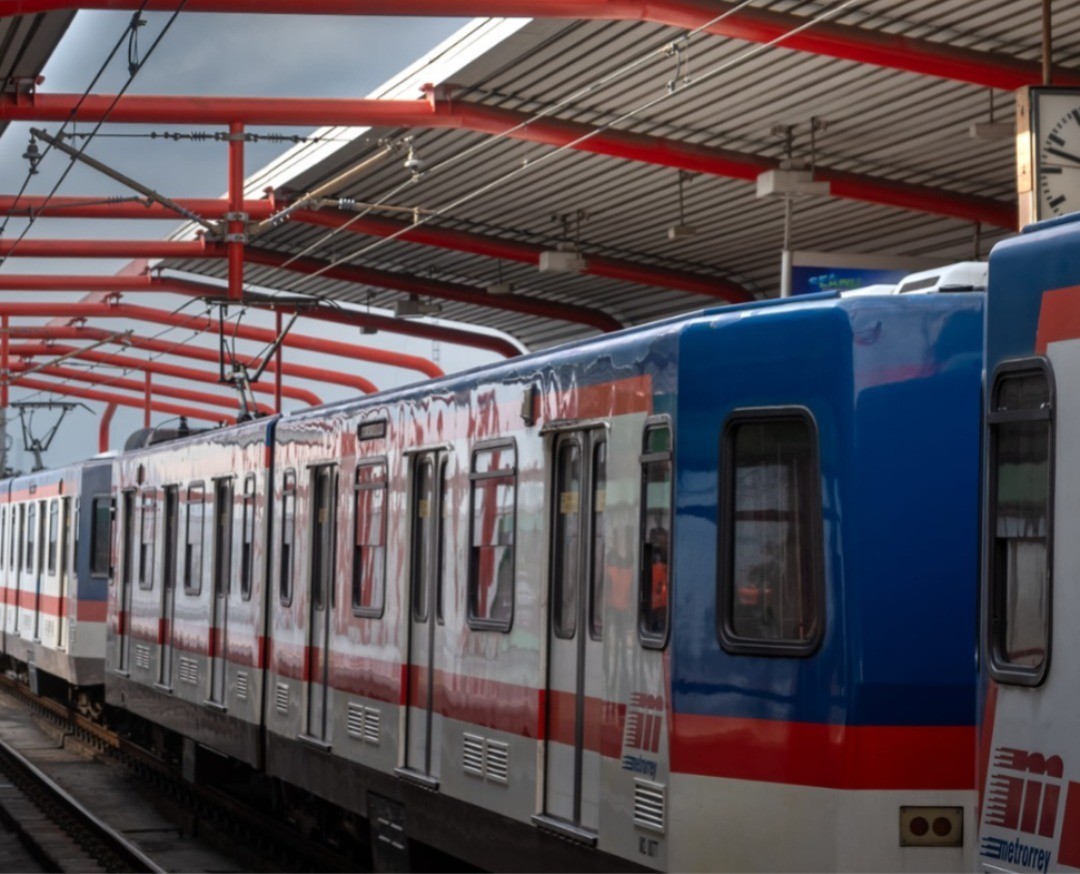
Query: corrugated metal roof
26	43
880	122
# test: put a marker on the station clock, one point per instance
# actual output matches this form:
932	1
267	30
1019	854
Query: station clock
1048	152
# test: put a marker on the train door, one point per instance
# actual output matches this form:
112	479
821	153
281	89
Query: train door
423	751
219	603
168	587
321	596
127	560
34	563
575	668
56	564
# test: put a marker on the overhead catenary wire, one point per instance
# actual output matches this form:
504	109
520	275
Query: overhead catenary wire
674	88
133	71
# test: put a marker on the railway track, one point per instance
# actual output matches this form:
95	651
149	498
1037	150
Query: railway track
256	838
58	830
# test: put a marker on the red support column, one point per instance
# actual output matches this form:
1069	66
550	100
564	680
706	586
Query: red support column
103	429
237	226
277	370
146	407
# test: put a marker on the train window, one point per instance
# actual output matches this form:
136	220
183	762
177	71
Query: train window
491	551
18	538
440	537
54	534
770	575
423	510
599	559
369	544
3	536
322	535
655	570
567	529
31	534
247	541
223	526
288	532
101	537
147	533
193	541
1021	436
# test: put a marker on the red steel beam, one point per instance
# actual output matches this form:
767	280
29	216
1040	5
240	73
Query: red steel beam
197	353
519	125
102	309
103	428
106	380
849	42
91	394
42	248
236	227
37	206
519	303
157	367
42	282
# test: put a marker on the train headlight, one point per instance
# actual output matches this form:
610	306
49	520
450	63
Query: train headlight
931	826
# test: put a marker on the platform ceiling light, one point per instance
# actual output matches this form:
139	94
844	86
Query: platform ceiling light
566	257
413	307
682	230
790	179
500	285
991	129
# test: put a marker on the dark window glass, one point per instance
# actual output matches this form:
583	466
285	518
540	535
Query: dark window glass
247	542
172	532
101	537
147	535
1021	439
596	572
655	579
423	513
491	550
441	545
18	538
223	522
288	531
3	537
369	545
193	564
31	534
567	558
53	536
322	540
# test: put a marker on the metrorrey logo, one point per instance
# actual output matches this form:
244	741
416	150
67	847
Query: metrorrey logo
1023	795
644	719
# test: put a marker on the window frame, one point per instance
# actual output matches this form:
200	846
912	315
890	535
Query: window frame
286	574
322	565
731	641
109	502
648	639
189	573
474	622
247	526
372	612
147	505
52	537
1000	670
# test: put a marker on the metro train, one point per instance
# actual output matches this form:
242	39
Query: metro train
698	595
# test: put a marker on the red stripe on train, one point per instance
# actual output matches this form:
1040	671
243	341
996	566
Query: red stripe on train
1059	317
832	756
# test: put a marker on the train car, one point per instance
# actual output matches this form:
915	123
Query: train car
186	609
55	538
694	596
1029	756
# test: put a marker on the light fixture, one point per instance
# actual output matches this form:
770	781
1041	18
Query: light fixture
566	257
790	179
413	307
500	285
682	230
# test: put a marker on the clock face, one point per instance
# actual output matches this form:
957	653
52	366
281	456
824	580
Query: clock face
1058	145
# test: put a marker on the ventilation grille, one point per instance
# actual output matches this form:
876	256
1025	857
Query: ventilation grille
189	671
281	698
241	685
142	656
498	761
48	629
649	805
472	754
372	724
354	721
485	758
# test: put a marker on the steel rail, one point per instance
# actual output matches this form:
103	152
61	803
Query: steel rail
115	844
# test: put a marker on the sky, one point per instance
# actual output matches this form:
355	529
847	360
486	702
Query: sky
289	56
